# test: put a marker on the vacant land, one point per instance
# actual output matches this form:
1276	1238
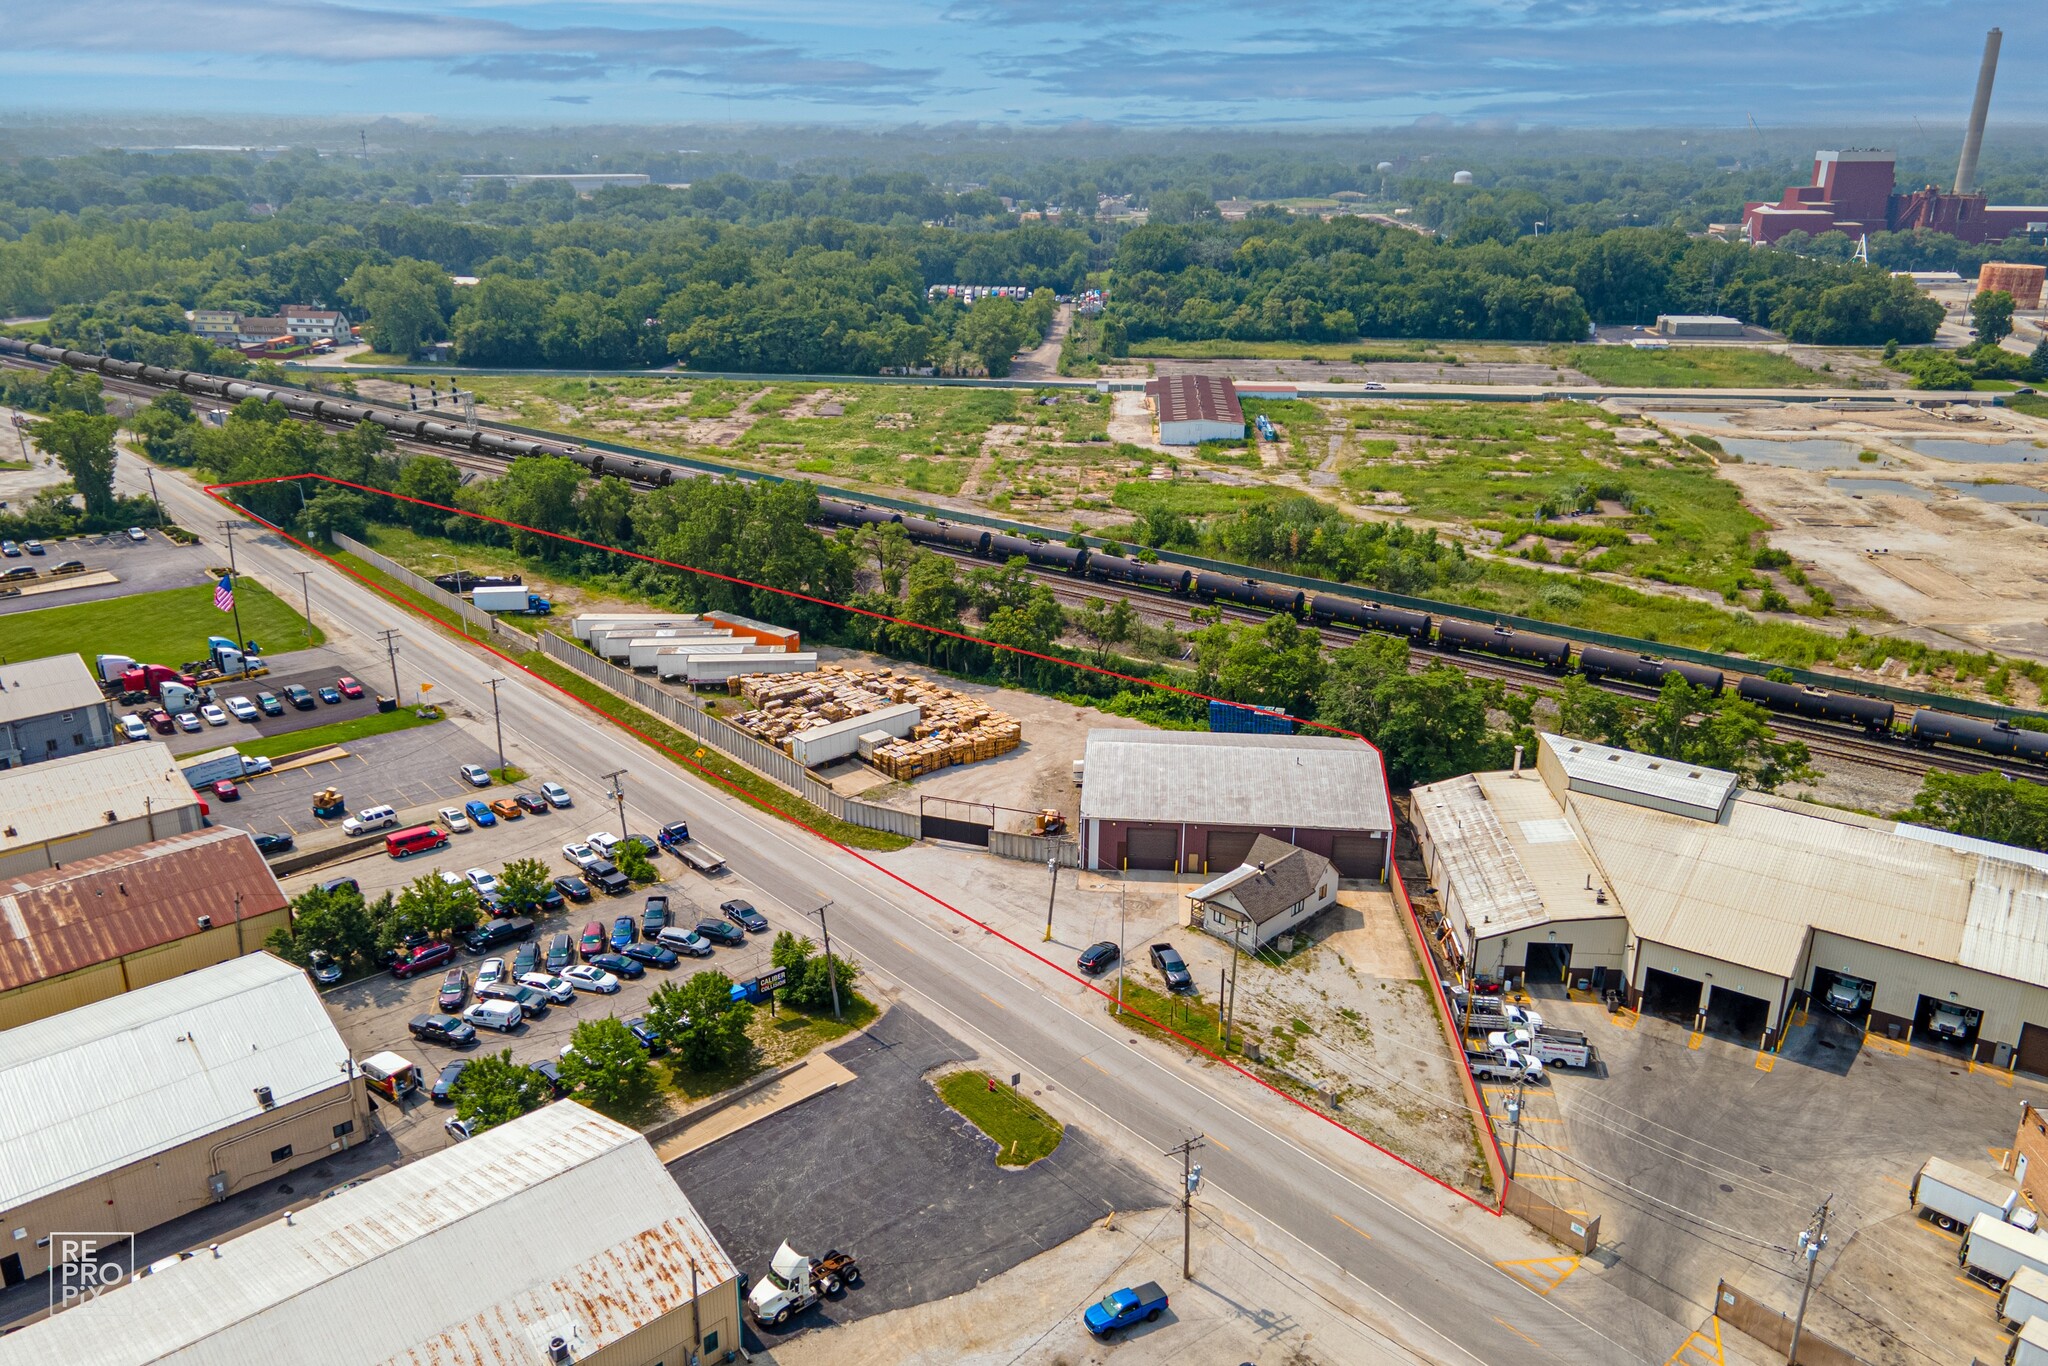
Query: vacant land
169	627
1691	367
1021	1131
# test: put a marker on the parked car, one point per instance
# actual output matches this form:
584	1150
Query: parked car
32	547
604	841
68	567
490	972
550	1074
573	887
610	880
653	955
506	809
646	843
722	932
323	967
160	721
495	1013
743	914
331	696
624	932
483	879
532	1004
1097	959
348	686
619	966
549	985
10	550
457	823
474	775
454	990
444	1029
556	794
561	953
480	814
225	789
132	727
527	959
135	533
494	932
212	715
424	957
531	805
654	916
638	1024
1122	1308
268	704
444	1085
684	941
242	709
591	942
188	722
1172	967
457	1130
370	818
300	698
584	977
272	844
582	855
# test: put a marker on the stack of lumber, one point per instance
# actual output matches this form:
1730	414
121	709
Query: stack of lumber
954	729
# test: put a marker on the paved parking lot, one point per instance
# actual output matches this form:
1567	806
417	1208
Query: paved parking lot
413	770
310	669
884	1169
1703	1157
143	566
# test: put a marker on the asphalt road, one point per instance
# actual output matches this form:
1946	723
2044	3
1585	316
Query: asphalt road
1421	1259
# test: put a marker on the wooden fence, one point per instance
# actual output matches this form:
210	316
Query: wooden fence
1774	1329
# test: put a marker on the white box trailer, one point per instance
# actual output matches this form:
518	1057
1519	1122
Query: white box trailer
837	739
1994	1251
584	624
671	660
617	646
1952	1197
2030	1348
2025	1297
721	669
641	650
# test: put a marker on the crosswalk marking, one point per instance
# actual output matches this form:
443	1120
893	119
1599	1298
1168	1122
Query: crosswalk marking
1703	1348
1541	1274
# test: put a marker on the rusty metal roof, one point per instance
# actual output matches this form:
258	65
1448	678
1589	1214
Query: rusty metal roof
1195	398
110	905
560	1223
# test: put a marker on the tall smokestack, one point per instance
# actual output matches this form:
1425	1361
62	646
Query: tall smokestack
1973	140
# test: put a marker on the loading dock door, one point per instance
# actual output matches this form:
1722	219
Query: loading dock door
1851	1001
1546	963
1671	996
1358	855
2033	1054
1152	846
1228	849
1947	1024
1731	1014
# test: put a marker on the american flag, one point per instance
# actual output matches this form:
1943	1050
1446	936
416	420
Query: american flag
224	593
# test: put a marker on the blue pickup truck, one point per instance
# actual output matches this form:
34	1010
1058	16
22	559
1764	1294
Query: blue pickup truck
1122	1308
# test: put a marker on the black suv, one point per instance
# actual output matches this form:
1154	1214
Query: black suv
1097	959
1172	966
722	932
492	933
300	698
561	953
442	1029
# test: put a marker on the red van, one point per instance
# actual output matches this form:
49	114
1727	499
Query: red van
416	839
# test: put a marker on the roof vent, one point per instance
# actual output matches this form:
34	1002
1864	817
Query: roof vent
558	1350
265	1099
1614	758
109	815
205	922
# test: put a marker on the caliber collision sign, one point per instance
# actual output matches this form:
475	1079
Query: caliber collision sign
771	979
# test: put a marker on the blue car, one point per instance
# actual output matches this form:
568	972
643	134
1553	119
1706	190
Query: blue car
1122	1308
480	814
623	932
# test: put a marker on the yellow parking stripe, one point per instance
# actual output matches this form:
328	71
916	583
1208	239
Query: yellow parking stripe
1766	1060
1695	1039
1701	1349
1978	1286
1623	1019
1541	1274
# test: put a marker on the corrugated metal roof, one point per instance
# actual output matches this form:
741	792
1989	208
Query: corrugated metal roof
560	1222
1624	775
1303	782
37	687
94	1089
61	797
1195	398
1485	875
2006	933
102	907
1988	848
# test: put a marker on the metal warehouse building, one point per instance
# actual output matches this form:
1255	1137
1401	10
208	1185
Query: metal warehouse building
1193	802
556	1237
128	1113
50	708
1192	409
101	926
1730	910
84	804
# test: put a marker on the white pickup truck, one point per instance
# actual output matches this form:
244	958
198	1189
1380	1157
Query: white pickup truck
1502	1064
1565	1047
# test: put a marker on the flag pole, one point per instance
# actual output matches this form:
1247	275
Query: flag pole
234	606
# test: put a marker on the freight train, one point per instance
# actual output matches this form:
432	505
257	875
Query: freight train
1925	727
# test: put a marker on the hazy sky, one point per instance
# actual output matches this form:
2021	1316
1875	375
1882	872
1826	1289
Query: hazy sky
1304	62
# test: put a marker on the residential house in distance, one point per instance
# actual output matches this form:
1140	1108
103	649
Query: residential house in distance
1276	888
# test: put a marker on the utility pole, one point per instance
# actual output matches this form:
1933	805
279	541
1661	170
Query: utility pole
235	607
618	792
1122	905
1811	1240
499	718
831	969
1190	1179
1229	991
1052	867
1515	1122
150	470
390	639
306	587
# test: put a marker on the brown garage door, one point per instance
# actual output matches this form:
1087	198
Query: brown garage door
1358	855
1228	848
2033	1054
1152	846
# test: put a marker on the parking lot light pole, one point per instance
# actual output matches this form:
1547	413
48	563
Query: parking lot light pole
499	719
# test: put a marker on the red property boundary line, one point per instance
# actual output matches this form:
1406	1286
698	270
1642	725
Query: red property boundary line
218	494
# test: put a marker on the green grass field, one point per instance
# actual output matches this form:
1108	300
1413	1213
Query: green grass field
1692	367
340	733
1221	348
1023	1133
168	627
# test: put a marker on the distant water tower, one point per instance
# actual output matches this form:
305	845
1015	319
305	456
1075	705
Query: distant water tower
1384	167
1461	178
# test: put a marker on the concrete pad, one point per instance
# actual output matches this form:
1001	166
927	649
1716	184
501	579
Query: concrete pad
38	587
812	1076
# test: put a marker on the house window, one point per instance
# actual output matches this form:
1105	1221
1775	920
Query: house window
281	1154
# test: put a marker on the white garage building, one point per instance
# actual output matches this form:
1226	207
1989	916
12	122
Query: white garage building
1669	886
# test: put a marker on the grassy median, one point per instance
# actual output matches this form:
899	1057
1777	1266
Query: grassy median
1023	1133
339	733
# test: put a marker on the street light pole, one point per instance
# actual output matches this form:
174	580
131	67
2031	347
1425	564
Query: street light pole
831	968
1052	867
1811	1240
499	718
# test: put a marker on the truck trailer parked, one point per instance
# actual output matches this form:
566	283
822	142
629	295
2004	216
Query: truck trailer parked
2025	1297
2030	1348
511	597
1994	1251
1953	1197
